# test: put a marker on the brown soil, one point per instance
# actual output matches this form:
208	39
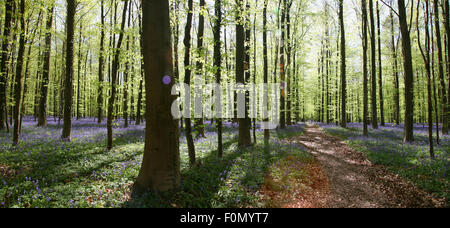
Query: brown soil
344	178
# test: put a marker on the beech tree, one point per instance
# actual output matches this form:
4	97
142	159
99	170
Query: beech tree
160	170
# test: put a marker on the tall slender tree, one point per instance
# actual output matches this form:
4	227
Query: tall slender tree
18	79
373	74
42	120
218	71
365	78
343	66
187	80
101	61
380	67
425	51
4	62
114	75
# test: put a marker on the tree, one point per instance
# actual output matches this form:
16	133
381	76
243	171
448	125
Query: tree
244	123
160	169
446	9
425	51
4	63
18	79
395	72
380	68
408	73
373	75
42	120
68	82
365	79
218	69
343	66
442	88
199	63
266	75
101	60
187	80
114	75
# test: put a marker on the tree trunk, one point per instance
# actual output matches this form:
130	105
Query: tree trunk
101	60
187	80
380	68
266	76
218	67
343	67
42	120
68	83
395	73
365	79
425	51
160	169
443	89
244	124
4	62
408	73
114	74
373	75
18	79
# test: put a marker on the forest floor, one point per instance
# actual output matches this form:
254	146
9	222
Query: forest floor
353	181
304	166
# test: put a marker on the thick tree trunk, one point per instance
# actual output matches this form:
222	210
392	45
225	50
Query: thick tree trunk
408	73
68	82
160	169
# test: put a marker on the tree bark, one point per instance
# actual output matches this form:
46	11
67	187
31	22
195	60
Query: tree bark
380	68
365	78
68	83
18	79
218	67
101	60
187	80
4	62
408	71
114	74
244	123
42	119
343	67
160	169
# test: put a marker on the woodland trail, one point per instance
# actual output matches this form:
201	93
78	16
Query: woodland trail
354	182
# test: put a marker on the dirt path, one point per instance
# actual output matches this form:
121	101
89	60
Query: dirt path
354	181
